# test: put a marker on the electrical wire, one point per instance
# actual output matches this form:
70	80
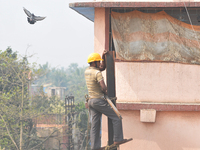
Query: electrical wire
191	24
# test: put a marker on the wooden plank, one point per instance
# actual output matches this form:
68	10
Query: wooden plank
111	89
109	71
112	146
113	107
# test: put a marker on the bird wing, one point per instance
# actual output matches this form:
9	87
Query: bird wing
38	18
27	12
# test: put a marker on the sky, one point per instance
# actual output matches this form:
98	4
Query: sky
62	38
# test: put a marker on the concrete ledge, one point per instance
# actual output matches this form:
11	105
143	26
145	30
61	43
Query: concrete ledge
87	8
160	106
148	115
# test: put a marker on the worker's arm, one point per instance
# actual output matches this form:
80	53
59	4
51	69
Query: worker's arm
102	66
86	105
103	87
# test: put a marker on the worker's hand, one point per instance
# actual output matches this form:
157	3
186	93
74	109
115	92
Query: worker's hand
102	66
86	105
104	53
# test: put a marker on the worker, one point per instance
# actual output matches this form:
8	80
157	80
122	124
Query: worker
97	104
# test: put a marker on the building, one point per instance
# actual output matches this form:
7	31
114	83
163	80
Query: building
157	92
53	128
56	91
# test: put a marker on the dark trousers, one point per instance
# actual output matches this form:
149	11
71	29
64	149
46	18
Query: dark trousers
98	107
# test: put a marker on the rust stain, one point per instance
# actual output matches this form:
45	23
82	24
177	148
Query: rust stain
166	39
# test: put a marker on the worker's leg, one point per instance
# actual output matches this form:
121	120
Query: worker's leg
103	107
117	129
95	127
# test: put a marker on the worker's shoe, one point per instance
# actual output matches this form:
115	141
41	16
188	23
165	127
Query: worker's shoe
120	142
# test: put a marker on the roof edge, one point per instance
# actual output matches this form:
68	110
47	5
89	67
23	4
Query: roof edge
134	4
87	8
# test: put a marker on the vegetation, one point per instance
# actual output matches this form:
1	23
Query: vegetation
18	110
15	112
72	78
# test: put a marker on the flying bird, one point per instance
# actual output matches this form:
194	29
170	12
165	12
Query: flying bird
31	17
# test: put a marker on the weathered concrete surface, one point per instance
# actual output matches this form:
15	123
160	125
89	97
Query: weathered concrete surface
136	3
157	82
99	31
171	131
147	115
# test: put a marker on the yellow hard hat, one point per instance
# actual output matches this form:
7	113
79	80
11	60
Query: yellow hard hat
94	57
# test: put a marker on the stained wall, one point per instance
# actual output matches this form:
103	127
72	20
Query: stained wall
171	131
156	83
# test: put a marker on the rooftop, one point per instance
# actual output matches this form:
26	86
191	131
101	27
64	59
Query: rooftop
87	8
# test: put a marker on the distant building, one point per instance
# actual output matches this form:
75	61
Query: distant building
46	125
56	91
50	91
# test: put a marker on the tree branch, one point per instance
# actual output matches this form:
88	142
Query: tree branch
9	133
44	140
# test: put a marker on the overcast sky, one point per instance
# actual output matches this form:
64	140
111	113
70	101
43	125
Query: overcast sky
64	37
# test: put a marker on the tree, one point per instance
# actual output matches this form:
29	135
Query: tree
16	113
17	110
72	78
13	88
83	125
76	84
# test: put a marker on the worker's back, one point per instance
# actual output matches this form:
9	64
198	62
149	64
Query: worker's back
92	77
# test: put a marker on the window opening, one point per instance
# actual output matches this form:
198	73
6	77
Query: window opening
53	92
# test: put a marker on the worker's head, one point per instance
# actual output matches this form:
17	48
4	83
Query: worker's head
94	58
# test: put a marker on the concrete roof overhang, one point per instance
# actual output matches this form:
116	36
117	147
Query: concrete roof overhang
87	8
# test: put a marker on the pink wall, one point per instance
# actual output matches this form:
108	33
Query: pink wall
154	82
99	33
150	82
171	131
99	30
157	82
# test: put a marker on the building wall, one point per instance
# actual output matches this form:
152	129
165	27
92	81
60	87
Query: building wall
171	131
52	143
56	91
99	30
153	82
157	82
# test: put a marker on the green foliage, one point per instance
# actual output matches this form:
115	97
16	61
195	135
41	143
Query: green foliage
82	124
40	102
76	85
15	109
72	78
58	107
18	110
82	117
